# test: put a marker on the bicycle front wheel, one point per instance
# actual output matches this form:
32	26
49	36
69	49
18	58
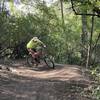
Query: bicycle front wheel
49	62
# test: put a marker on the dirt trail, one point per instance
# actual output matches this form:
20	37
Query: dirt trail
65	82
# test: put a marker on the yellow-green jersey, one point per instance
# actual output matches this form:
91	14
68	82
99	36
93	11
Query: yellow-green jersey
34	44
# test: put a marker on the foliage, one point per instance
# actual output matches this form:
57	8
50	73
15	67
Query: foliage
46	23
95	73
86	7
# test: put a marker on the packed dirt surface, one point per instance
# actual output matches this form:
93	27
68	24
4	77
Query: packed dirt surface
65	82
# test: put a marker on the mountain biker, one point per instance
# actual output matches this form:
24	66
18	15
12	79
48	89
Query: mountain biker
34	47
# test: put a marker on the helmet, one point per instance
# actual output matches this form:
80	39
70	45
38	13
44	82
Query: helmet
35	38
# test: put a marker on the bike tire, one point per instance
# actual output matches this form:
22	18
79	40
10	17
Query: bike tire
30	61
49	62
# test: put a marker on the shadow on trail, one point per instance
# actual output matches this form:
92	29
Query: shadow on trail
42	68
45	68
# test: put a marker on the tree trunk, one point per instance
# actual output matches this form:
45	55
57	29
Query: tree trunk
62	14
90	44
84	39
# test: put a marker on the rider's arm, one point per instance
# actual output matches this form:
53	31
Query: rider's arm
42	43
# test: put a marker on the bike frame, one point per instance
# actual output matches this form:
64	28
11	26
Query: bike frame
37	53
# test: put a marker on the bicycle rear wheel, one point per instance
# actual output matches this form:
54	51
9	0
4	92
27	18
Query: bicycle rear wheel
30	61
49	62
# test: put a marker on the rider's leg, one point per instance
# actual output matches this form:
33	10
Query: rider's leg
38	51
38	54
37	58
32	51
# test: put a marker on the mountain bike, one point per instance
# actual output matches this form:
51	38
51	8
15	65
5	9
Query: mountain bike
43	59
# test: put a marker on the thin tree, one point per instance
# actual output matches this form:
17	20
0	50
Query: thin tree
62	14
